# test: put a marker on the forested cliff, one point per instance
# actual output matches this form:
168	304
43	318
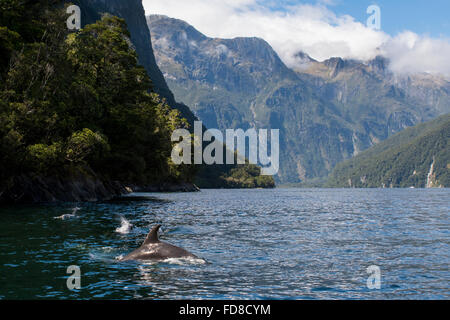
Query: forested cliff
80	117
78	121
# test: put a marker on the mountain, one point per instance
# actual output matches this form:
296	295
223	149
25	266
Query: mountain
203	70
326	111
416	157
133	13
373	86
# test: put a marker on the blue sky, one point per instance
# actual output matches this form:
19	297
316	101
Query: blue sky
420	16
423	17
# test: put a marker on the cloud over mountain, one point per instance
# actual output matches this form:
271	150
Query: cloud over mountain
313	29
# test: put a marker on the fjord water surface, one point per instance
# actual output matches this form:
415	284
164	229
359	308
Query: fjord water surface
257	244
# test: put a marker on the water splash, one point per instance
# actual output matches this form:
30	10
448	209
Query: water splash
125	226
69	216
104	254
172	261
119	257
184	261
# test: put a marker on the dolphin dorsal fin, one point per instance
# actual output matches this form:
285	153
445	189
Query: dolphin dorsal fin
153	235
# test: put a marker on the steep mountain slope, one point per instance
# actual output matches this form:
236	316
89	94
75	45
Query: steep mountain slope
242	83
205	71
417	157
327	112
133	13
372	87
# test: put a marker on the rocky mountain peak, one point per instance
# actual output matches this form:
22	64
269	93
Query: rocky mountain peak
335	65
304	57
171	34
182	31
238	64
379	65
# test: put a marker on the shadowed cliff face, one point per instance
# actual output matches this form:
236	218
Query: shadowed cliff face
133	13
327	111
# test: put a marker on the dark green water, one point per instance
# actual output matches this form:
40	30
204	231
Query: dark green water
258	244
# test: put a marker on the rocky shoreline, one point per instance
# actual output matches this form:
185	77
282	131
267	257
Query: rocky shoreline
78	188
169	187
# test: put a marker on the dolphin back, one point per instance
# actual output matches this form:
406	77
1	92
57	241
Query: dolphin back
153	249
152	237
158	251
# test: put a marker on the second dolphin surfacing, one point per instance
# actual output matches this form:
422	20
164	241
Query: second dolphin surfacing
152	249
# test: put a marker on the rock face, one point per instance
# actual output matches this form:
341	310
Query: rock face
169	187
79	187
205	71
326	111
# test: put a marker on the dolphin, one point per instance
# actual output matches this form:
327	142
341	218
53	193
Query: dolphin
152	249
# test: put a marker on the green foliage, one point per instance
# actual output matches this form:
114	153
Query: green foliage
86	144
233	177
80	102
79	99
249	176
42	158
401	161
8	43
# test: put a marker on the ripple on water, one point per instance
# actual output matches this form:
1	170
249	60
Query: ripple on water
254	244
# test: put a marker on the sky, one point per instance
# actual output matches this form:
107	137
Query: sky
430	17
414	34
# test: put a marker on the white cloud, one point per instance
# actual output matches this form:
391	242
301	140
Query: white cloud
313	29
411	53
